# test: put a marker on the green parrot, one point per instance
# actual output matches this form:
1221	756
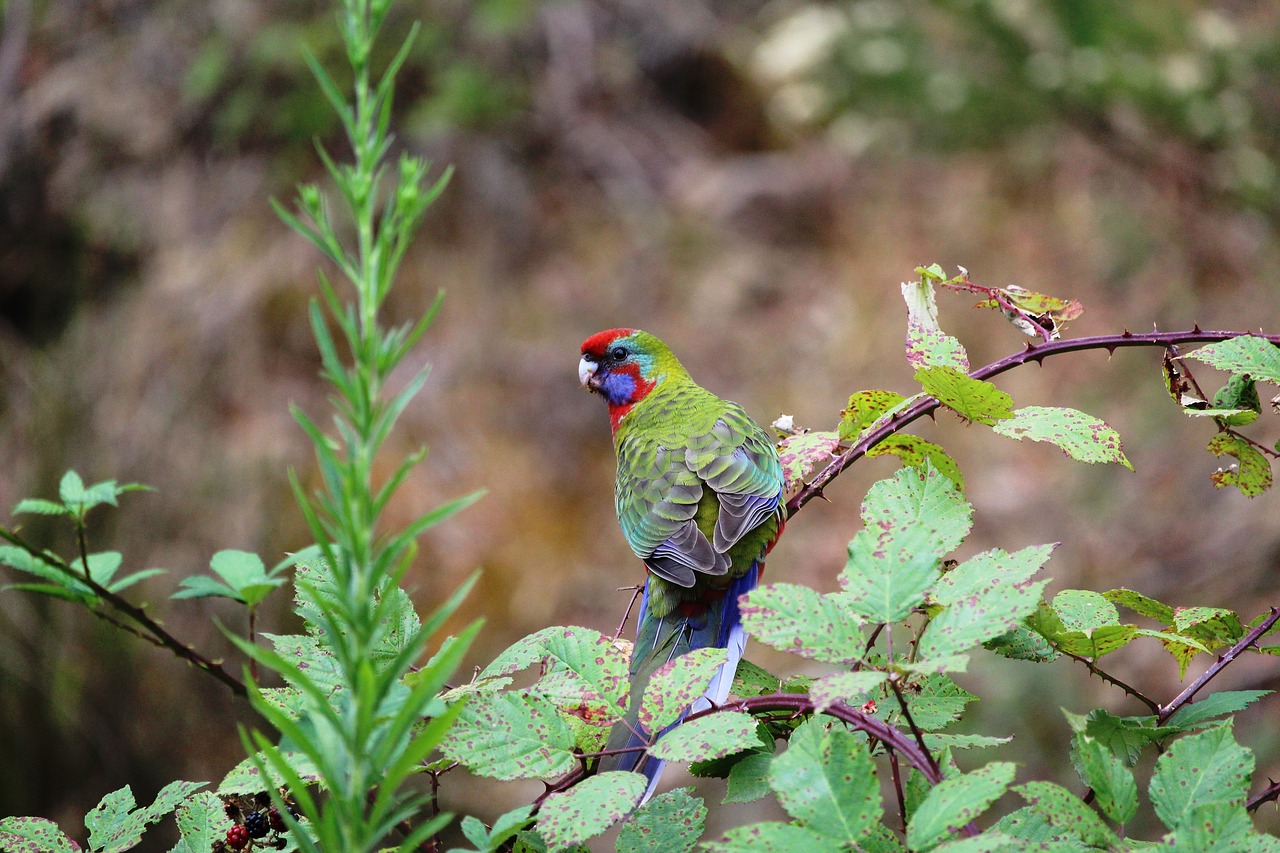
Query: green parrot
699	500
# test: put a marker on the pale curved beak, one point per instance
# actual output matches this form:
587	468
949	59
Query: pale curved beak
586	370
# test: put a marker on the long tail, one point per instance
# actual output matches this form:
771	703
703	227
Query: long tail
660	640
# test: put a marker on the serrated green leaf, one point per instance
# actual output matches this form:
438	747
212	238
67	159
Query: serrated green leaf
675	684
797	619
706	738
114	826
1254	356
1079	435
1239	394
910	521
1210	625
749	779
245	779
133	578
103	566
169	798
975	400
1252	473
589	658
753	680
1022	643
475	832
863	410
913	450
1125	736
1215	705
1219	826
669	823
39	506
1064	811
987	842
936	701
926	343
35	834
980	604
937	742
203	586
1027	825
827	781
589	808
935	665
954	802
1199	770
1084	610
1110	780
850	688
201	821
802	454
71	489
990	572
1141	604
772	837
509	823
511	736
1096	642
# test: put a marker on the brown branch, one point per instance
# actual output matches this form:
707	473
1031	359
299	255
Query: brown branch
1220	664
1111	679
1037	353
158	635
1269	793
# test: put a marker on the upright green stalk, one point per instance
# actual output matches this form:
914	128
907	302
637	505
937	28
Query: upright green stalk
350	720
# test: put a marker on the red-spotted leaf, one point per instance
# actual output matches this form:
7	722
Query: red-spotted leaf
927	344
707	738
974	400
511	736
669	823
587	657
676	684
1251	474
827	781
773	837
798	619
1064	811
804	453
1245	355
913	450
1079	435
35	834
911	520
954	802
864	409
589	808
1199	770
850	688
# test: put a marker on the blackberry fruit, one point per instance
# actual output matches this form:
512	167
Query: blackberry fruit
277	822
237	837
257	824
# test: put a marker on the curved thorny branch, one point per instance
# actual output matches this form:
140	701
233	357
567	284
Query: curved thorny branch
1033	352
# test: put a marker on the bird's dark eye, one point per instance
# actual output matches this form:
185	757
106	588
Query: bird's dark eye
618	353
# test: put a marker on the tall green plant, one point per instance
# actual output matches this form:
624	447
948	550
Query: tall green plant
349	718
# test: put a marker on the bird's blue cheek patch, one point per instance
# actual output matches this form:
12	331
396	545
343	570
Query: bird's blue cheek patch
619	388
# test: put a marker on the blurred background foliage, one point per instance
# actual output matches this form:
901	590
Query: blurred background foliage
750	180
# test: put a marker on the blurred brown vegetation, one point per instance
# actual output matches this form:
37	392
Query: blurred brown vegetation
742	178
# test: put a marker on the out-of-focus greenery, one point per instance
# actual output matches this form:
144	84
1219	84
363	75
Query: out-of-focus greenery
1152	81
456	76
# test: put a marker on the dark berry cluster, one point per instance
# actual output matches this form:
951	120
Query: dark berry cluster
258	824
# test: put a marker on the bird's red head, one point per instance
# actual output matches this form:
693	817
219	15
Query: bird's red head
623	366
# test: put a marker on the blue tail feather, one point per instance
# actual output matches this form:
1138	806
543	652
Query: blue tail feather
724	633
